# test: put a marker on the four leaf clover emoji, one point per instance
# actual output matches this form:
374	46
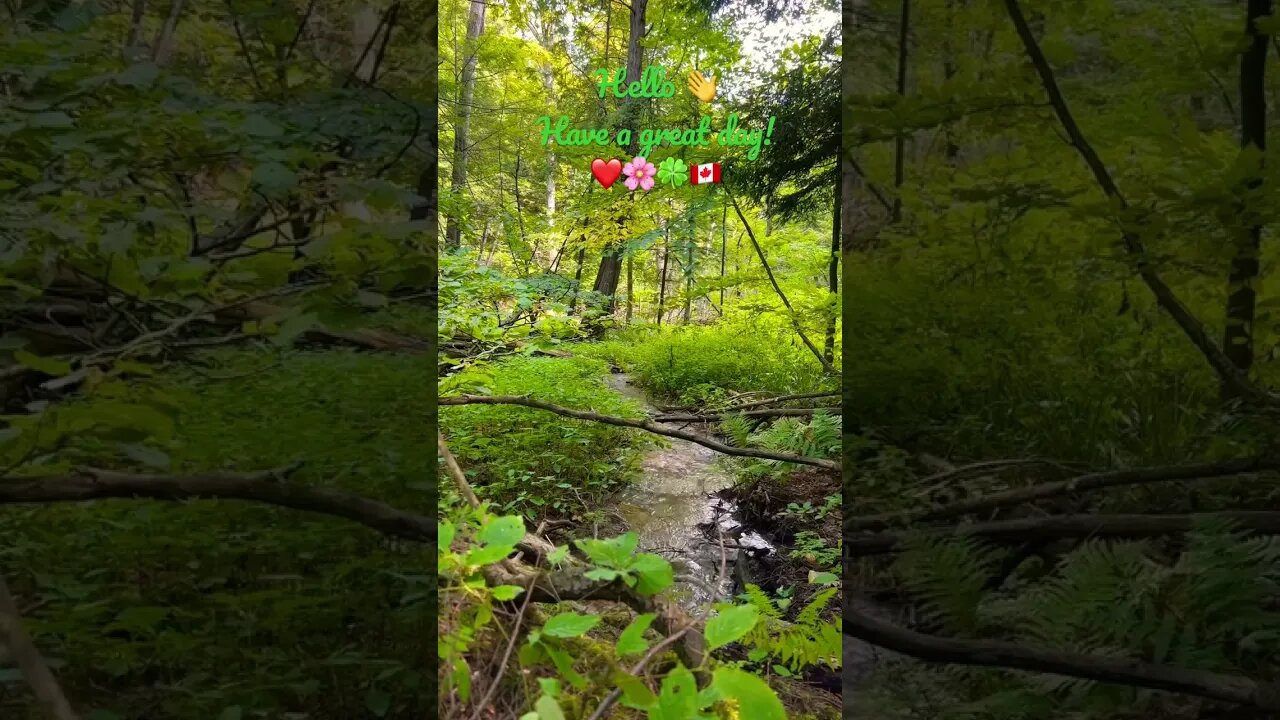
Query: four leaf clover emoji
673	172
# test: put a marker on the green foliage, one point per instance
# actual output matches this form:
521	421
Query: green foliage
238	604
697	364
530	461
810	638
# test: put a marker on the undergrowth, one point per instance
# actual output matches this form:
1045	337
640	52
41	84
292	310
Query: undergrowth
223	609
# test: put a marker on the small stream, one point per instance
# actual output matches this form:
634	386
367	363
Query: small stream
674	508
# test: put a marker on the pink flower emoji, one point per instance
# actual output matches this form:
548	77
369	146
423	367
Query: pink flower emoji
640	173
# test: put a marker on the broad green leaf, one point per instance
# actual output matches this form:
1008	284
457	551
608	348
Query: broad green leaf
505	531
750	692
444	534
652	572
729	625
631	641
506	593
634	690
569	625
614	552
548	708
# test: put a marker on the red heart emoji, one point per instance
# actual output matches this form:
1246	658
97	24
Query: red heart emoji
606	173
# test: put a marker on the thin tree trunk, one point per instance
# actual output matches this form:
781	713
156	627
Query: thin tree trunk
724	243
133	44
689	270
577	280
163	48
833	277
466	94
662	277
18	645
900	142
1237	340
631	295
791	313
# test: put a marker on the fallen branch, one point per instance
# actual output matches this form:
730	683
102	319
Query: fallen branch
269	486
768	412
647	425
775	400
990	653
1083	483
15	640
1071	526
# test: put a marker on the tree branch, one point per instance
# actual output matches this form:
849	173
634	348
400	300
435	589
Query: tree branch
1083	483
647	425
990	653
269	486
767	412
14	639
1071	526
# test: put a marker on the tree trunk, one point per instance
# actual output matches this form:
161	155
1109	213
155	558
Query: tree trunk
1237	341
577	280
900	142
689	270
133	44
662	276
611	260
466	93
163	48
724	243
631	295
833	275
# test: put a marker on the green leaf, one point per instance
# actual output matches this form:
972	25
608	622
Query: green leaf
505	593
259	126
634	690
631	641
46	365
823	578
653	573
569	625
548	708
444	535
487	554
378	701
602	574
559	555
614	552
730	624
506	531
274	177
750	692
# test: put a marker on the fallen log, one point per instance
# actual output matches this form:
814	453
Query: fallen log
770	412
1045	529
1124	671
1082	483
647	425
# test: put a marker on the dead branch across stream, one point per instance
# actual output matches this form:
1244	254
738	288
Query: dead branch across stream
647	425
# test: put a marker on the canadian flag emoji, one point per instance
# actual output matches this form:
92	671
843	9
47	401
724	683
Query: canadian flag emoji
703	174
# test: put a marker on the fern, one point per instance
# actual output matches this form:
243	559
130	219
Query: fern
808	640
950	575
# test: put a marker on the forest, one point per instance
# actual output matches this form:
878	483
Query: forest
216	273
640	345
1060	359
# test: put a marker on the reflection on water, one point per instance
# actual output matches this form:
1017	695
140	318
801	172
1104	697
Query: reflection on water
674	510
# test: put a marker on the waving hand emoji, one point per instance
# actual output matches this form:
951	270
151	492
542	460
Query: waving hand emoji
703	88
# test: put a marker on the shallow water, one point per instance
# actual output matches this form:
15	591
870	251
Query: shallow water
674	509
